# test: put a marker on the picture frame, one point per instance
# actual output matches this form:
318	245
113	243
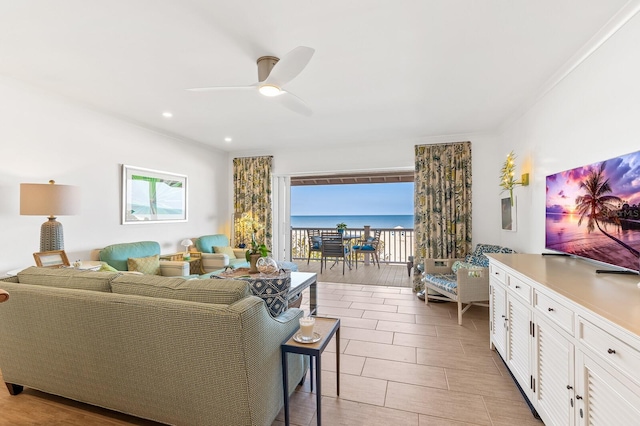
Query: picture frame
51	259
153	196
508	210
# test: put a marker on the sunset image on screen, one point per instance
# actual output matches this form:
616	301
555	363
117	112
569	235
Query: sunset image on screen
594	211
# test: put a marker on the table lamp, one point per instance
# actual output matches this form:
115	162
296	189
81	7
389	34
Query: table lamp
186	243
41	199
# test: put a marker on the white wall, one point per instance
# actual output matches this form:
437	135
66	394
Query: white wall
45	137
398	155
591	115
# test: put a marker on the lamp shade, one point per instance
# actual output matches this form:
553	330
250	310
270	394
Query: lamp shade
49	199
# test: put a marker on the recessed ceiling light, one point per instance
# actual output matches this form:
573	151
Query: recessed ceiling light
228	139
167	114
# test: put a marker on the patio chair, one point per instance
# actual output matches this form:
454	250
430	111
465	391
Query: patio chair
315	242
368	246
333	246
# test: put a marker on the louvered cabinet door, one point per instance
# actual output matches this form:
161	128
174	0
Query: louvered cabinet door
603	397
498	316
519	342
553	390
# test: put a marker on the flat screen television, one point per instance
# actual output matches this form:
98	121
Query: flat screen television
593	212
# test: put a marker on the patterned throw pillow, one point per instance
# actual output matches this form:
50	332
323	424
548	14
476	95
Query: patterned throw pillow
225	250
147	265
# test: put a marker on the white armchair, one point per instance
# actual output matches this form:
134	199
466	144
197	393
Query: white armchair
464	281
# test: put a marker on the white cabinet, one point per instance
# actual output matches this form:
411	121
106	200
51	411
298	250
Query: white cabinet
519	342
553	379
603	397
498	309
575	366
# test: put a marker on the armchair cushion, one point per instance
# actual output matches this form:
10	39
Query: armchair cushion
477	258
460	264
225	250
206	243
117	255
317	242
147	265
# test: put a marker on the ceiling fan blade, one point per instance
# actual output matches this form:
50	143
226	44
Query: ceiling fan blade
209	89
294	103
290	66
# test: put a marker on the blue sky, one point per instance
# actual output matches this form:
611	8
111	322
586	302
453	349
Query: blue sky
357	199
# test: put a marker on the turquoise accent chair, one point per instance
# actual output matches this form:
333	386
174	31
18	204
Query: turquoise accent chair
215	261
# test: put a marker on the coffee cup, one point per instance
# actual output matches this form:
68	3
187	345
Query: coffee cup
306	328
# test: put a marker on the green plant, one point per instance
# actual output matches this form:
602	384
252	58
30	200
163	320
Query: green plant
256	248
341	225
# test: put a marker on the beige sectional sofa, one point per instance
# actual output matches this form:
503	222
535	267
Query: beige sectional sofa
186	352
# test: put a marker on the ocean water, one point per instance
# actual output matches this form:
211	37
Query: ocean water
353	222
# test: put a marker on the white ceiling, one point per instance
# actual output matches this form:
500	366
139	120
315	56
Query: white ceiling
383	70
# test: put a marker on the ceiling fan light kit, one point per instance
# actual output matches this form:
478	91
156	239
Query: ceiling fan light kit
273	74
269	90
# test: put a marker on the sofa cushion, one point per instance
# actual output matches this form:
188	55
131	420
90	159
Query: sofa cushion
149	265
68	278
225	250
206	243
117	255
203	291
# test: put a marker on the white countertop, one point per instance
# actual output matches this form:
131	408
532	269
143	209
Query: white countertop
612	296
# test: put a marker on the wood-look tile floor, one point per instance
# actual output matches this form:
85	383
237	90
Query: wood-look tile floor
402	363
407	363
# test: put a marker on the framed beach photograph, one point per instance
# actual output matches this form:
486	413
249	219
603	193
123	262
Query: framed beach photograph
152	196
508	214
51	259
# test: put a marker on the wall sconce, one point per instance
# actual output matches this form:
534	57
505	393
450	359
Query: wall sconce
43	199
507	180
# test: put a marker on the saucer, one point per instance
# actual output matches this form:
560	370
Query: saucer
298	338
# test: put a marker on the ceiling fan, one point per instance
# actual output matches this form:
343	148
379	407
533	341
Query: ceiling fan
273	74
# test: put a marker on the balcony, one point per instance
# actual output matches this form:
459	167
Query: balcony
396	244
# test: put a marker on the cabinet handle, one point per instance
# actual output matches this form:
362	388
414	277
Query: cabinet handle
611	351
551	309
569	387
578	397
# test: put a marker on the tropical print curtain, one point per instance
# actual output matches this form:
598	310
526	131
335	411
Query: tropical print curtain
252	199
442	202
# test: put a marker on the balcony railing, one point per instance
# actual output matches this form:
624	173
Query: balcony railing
396	244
